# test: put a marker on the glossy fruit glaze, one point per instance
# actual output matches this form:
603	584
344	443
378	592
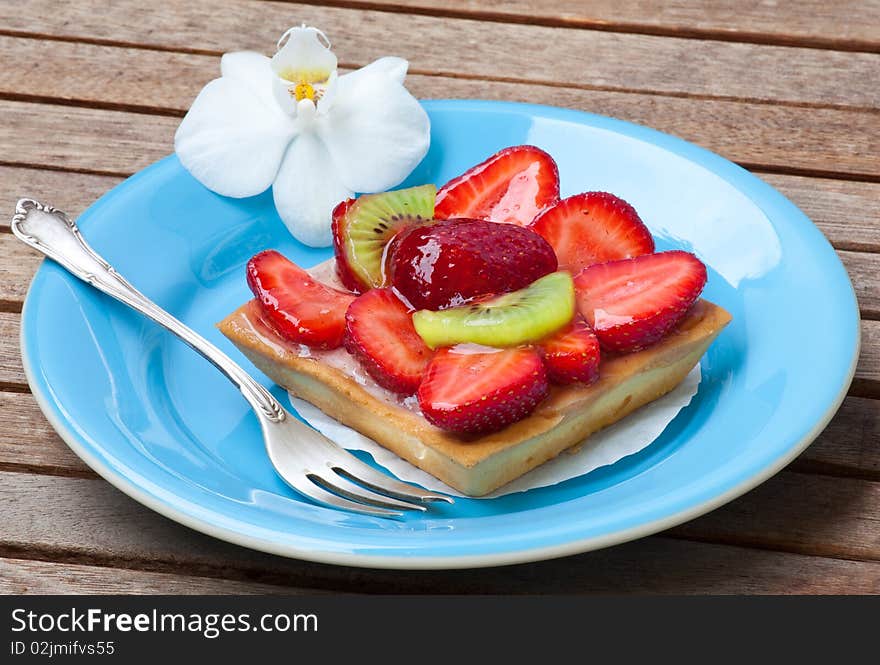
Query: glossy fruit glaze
512	186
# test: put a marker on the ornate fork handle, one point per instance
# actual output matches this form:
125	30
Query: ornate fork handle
53	233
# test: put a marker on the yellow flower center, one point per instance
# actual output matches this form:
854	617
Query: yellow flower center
309	84
303	91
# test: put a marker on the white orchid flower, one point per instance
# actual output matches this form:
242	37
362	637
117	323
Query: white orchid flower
292	123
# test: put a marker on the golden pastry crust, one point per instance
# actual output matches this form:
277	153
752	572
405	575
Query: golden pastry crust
477	466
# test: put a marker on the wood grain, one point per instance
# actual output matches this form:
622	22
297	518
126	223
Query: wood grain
27	440
844	24
848	213
97	141
11	371
550	55
820	142
18	263
868	370
20	576
797	512
71	192
864	272
849	443
84	519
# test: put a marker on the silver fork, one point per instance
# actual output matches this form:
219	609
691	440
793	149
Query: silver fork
304	458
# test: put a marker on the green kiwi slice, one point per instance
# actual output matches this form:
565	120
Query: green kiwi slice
519	317
373	220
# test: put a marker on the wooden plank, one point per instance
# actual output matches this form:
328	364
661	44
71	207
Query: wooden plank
541	54
18	263
849	443
791	140
847	212
20	576
11	371
796	512
27	440
109	76
867	378
82	519
104	142
71	192
126	78
864	271
844	24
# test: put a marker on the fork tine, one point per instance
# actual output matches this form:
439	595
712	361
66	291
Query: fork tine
343	486
362	473
305	486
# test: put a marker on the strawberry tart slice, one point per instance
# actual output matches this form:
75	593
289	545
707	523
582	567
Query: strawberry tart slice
481	331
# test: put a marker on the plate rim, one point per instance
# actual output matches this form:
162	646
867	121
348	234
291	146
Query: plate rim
452	561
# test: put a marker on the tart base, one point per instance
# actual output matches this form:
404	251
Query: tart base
477	466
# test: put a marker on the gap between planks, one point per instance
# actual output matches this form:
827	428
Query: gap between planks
413	71
753	137
37	576
652	565
88	520
81	82
783	74
611	21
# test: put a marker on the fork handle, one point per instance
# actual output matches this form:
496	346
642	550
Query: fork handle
53	233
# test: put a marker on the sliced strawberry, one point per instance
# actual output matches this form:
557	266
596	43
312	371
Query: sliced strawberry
633	303
379	332
298	308
343	269
572	354
512	186
593	227
455	260
473	392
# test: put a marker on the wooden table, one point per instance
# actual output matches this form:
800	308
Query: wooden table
91	92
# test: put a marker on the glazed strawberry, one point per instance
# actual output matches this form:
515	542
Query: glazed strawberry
379	333
343	269
456	260
474	392
593	227
363	227
512	186
295	305
572	354
632	303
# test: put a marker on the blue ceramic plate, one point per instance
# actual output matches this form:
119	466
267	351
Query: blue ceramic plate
165	427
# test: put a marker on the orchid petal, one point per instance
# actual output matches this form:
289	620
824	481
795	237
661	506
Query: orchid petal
307	189
376	132
302	67
232	142
254	70
389	66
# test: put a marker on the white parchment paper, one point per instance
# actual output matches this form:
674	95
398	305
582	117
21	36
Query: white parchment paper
626	437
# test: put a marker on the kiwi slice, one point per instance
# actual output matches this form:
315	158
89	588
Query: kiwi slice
373	220
519	317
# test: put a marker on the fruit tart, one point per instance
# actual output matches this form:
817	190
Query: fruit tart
482	329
